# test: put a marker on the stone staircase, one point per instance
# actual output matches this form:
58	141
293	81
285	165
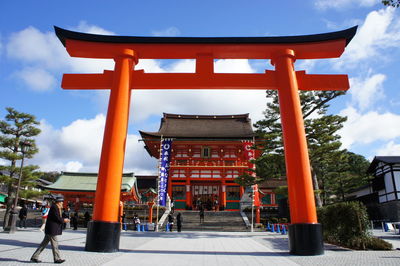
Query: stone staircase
220	221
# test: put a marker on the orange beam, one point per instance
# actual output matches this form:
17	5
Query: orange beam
209	81
309	50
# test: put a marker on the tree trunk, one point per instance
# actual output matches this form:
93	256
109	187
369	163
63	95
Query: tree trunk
9	205
318	200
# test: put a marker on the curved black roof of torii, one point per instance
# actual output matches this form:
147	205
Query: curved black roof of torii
346	34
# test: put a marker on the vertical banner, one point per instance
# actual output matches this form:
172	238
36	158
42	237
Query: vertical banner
249	155
165	157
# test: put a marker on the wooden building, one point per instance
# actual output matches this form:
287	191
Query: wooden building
80	188
207	154
386	186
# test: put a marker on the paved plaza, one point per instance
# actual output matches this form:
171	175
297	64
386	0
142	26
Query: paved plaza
187	248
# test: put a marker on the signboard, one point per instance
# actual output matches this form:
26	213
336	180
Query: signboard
165	157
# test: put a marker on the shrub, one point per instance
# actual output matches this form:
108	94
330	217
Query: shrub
378	244
347	224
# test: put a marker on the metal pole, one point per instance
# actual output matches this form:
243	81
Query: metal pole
14	212
158	185
19	179
252	209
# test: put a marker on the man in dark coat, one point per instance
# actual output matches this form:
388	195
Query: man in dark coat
53	228
23	213
179	221
170	222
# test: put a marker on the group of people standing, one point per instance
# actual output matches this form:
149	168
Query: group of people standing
179	221
208	204
73	218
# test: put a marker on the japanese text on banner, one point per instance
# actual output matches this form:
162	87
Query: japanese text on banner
166	145
249	154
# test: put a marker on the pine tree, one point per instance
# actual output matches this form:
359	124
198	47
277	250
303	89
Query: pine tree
17	132
323	144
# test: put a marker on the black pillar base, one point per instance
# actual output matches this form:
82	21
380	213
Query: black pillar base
103	236
306	239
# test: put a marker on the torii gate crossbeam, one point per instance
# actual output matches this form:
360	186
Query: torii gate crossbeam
305	233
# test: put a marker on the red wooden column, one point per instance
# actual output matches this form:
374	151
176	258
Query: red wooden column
105	227
188	193
150	204
305	233
223	194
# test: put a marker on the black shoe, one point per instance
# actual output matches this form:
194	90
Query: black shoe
59	261
35	260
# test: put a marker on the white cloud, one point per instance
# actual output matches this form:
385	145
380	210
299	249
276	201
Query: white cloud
369	127
155	102
378	33
168	32
43	54
182	66
365	92
307	65
93	29
73	166
233	66
32	46
3	162
150	66
340	4
77	147
390	149
37	79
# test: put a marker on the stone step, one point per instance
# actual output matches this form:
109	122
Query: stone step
213	221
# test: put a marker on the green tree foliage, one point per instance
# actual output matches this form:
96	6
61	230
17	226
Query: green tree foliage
393	3
329	163
17	132
50	176
346	171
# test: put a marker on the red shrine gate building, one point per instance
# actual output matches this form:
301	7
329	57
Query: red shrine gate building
207	154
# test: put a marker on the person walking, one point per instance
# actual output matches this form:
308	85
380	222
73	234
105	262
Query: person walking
170	222
179	221
66	215
45	213
136	222
52	229
123	222
23	213
87	218
74	221
201	214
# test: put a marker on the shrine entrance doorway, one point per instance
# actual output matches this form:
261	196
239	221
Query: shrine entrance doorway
205	195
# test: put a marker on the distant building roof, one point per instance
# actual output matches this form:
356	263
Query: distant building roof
203	126
87	182
43	182
384	159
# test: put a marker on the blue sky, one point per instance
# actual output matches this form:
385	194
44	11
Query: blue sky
32	62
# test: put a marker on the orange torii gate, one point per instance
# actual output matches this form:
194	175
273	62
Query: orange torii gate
305	233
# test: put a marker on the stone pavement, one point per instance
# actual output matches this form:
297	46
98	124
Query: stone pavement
186	248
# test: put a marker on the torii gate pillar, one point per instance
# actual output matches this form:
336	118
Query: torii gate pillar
305	232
